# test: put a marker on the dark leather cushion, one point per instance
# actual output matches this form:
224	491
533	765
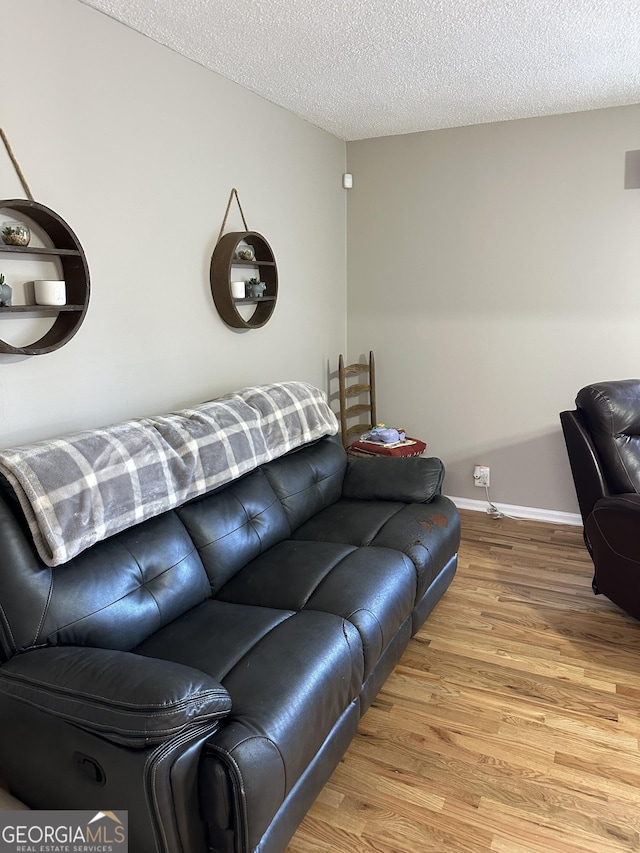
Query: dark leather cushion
114	594
290	677
234	525
374	588
309	479
378	479
126	698
612	529
428	533
612	413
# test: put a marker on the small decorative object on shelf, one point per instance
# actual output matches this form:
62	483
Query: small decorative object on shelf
238	290
245	252
49	292
15	234
5	293
255	288
63	247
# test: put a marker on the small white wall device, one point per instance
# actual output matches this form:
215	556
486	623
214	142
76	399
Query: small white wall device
481	475
347	180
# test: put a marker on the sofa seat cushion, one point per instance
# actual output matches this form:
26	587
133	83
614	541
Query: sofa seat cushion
374	588
290	677
428	533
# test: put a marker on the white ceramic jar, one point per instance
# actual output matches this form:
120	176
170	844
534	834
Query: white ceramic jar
237	289
50	292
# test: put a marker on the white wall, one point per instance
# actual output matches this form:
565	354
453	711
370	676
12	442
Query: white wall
137	148
495	270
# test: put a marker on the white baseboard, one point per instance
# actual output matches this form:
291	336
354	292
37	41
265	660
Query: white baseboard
530	512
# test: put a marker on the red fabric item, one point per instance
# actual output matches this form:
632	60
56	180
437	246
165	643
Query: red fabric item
411	447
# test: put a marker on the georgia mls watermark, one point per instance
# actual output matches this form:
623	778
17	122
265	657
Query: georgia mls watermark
64	832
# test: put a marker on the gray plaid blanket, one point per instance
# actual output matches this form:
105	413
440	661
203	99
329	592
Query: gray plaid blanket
79	489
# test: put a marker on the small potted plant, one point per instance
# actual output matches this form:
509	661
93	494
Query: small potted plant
255	288
5	293
15	234
245	252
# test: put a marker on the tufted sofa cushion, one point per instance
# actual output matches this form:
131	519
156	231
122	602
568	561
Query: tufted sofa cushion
112	596
308	480
234	525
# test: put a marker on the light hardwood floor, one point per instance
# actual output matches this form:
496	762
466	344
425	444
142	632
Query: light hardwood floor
511	724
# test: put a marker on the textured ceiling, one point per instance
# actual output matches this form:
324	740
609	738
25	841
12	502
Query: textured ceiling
364	68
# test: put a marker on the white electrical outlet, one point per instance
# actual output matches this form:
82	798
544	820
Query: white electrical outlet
481	475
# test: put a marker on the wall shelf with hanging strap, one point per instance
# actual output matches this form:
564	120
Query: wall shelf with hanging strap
235	252
67	250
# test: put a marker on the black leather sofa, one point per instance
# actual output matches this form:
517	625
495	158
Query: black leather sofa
602	436
206	669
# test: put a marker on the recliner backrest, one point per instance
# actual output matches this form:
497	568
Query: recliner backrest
308	480
234	525
611	413
238	522
113	595
119	591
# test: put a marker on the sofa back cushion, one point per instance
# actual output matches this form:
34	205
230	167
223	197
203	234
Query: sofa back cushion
121	590
234	525
112	596
308	480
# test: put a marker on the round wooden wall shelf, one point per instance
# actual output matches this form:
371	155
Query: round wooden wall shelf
224	258
67	248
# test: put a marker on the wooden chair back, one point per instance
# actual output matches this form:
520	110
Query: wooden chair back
357	381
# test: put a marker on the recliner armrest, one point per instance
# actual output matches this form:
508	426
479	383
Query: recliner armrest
416	479
625	503
613	524
126	698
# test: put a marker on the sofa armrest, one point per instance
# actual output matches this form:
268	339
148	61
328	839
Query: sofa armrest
126	698
416	479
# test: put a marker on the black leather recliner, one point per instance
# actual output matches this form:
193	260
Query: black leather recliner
602	436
